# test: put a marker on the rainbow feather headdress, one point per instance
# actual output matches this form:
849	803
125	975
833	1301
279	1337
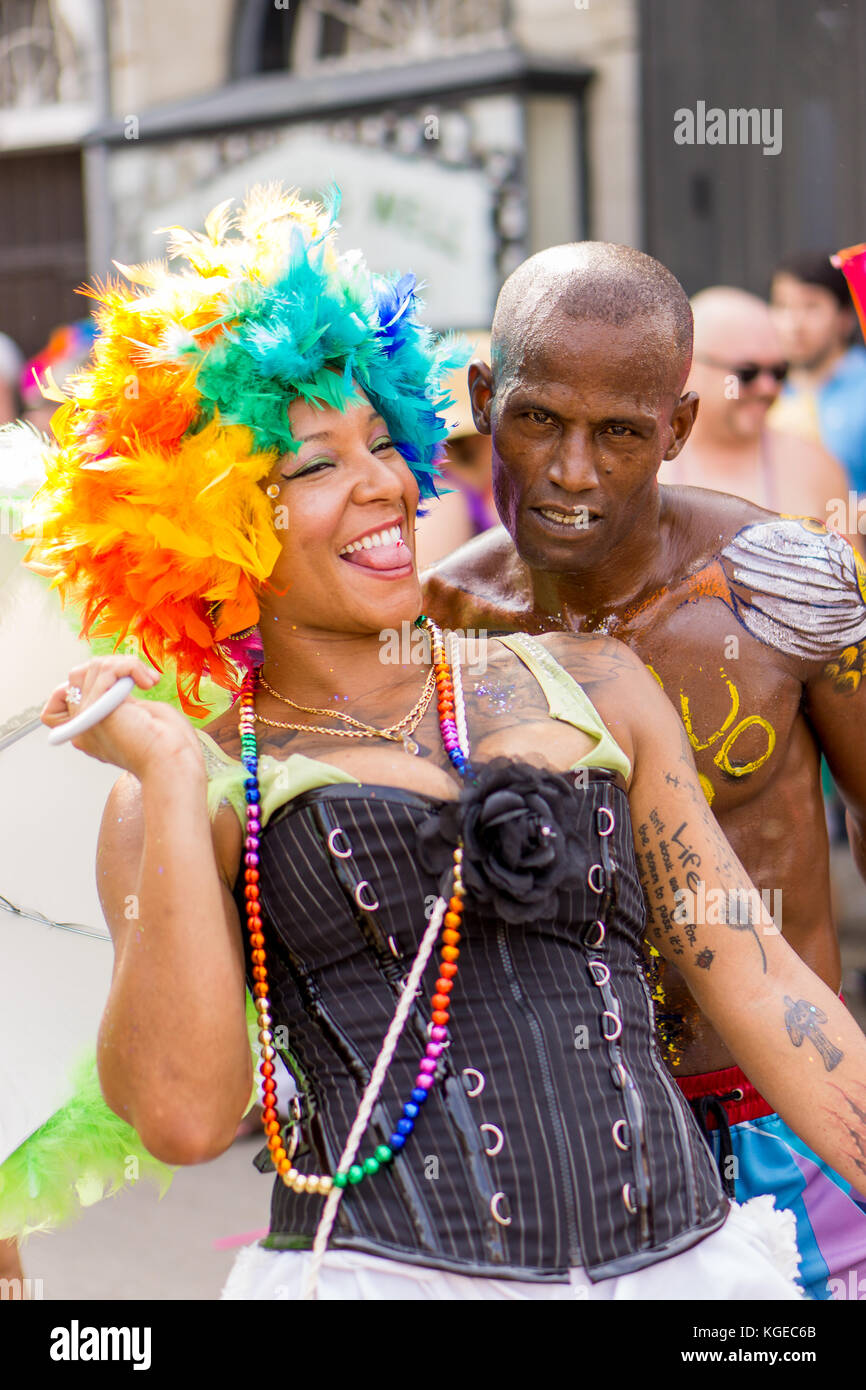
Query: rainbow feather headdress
152	517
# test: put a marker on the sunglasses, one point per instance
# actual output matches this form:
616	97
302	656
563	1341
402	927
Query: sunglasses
749	371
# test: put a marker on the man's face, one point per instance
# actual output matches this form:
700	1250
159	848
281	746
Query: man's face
579	431
809	320
737	373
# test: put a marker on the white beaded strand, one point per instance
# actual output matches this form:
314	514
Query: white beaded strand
369	1098
459	700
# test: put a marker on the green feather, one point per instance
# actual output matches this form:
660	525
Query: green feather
83	1153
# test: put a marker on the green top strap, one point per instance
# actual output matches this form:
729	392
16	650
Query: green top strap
282	779
569	702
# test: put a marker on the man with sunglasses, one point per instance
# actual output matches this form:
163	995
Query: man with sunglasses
754	624
737	372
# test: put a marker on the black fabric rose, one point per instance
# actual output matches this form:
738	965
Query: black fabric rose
520	846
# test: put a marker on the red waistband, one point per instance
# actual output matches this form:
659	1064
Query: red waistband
729	1082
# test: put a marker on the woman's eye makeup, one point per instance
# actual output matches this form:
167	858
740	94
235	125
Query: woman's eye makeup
311	467
381	443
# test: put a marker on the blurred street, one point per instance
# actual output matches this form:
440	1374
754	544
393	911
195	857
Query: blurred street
136	1246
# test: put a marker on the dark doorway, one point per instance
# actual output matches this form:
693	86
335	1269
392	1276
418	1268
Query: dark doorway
724	214
43	253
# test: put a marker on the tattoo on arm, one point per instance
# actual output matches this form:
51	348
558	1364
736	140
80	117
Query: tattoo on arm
802	1020
852	1121
670	869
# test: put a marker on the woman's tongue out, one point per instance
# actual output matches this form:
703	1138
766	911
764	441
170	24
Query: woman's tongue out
393	556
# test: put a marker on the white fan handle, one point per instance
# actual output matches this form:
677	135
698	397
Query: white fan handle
94	713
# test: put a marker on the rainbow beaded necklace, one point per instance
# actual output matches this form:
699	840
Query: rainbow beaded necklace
452	724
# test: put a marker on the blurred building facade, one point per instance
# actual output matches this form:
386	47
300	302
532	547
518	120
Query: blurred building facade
464	134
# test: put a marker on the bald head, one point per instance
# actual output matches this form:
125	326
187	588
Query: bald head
593	282
733	331
728	321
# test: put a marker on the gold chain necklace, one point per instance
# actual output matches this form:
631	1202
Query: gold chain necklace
395	732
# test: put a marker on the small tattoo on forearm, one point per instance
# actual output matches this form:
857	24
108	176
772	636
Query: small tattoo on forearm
851	1121
802	1020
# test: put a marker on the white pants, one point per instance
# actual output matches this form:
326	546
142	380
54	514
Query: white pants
752	1256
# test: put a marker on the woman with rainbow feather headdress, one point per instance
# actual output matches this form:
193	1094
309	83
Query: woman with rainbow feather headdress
235	487
155	328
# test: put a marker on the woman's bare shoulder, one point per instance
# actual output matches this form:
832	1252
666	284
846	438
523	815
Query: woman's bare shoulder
224	732
591	658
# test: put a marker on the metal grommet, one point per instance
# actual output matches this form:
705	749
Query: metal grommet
738	1094
402	983
589	879
617	1130
480	1084
498	1141
494	1209
339	853
368	907
395	950
628	1200
611	1037
601	978
611	820
594	945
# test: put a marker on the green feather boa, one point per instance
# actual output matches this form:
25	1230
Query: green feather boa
83	1153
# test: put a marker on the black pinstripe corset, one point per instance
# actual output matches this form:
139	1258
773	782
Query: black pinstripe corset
554	1137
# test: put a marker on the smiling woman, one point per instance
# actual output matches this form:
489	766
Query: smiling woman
498	836
268	315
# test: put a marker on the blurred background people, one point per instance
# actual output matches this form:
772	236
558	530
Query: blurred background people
825	393
737	370
468	509
10	366
67	348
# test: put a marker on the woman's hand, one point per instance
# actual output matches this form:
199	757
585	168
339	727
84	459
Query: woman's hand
140	734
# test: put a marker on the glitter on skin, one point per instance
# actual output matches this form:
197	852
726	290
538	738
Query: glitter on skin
499	695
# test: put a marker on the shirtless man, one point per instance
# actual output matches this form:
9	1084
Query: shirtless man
737	371
754	625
